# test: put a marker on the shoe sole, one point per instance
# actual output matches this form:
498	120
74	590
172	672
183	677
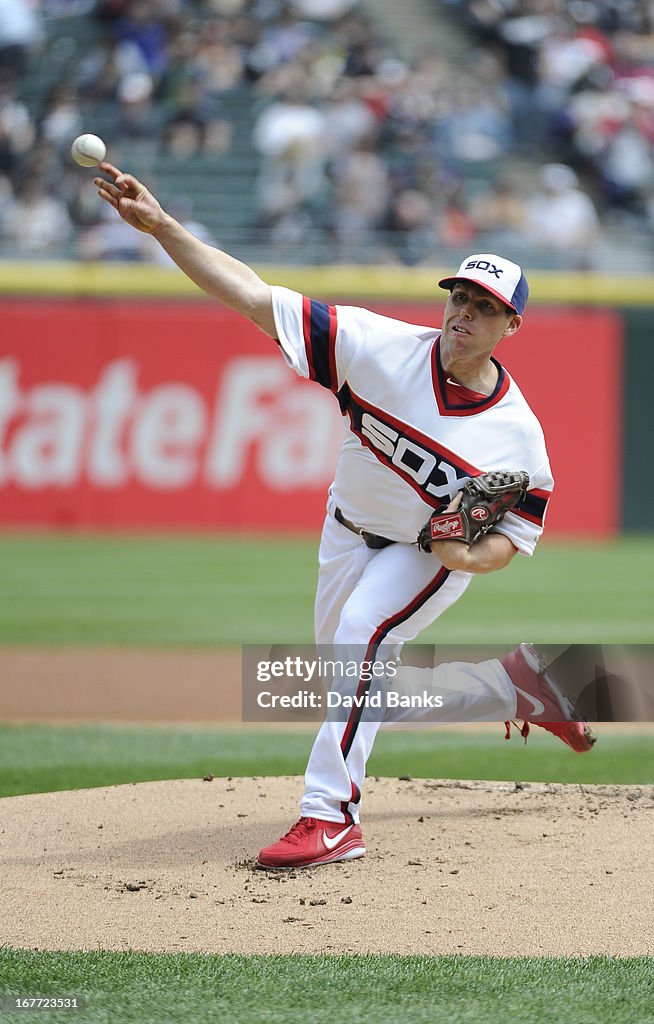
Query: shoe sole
329	858
589	737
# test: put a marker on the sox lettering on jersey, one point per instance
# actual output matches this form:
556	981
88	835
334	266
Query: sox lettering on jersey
438	478
432	471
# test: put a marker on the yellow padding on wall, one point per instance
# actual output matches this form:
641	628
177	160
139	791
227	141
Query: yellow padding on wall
71	279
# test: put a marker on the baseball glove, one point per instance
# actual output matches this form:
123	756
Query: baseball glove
485	499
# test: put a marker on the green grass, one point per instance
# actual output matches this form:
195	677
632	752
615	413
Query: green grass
121	988
37	759
196	590
204	590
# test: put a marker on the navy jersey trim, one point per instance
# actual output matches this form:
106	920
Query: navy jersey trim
533	507
319	326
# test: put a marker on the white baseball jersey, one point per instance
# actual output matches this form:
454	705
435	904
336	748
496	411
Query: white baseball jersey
410	444
413	437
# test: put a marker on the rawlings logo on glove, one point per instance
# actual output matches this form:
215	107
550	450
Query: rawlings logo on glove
485	499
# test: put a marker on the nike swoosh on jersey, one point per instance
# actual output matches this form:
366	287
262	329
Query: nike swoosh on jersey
456	383
335	840
538	706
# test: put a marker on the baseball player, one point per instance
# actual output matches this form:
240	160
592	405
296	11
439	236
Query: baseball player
429	412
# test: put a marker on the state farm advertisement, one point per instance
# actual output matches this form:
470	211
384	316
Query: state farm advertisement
183	415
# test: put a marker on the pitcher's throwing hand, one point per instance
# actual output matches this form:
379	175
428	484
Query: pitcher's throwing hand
131	198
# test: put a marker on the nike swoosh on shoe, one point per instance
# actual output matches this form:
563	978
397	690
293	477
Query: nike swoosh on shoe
537	705
332	842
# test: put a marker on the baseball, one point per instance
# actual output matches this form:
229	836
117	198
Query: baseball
88	150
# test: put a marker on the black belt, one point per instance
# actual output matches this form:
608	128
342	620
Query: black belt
373	540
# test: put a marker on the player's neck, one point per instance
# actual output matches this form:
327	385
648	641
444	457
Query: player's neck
477	374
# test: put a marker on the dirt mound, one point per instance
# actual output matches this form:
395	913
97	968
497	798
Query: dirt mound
452	867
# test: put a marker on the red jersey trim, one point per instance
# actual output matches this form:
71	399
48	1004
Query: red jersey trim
306	330
333	328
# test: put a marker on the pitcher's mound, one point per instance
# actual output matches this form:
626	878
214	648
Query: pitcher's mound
452	867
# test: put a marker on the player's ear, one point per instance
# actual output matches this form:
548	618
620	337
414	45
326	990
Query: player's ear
513	326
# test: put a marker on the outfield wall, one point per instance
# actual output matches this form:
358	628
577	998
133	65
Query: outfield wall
127	400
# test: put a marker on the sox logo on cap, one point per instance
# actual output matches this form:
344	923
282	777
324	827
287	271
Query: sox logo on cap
497	275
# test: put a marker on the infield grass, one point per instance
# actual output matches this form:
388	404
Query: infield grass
35	759
124	988
205	590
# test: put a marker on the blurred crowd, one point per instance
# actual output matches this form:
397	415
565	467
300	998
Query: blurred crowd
540	137
579	78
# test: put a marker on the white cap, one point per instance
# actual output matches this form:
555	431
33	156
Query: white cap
500	277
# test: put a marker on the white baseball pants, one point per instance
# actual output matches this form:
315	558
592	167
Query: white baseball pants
375	600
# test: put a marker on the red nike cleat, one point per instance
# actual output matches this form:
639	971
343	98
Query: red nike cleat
312	842
542	702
